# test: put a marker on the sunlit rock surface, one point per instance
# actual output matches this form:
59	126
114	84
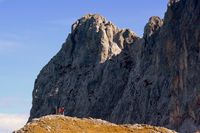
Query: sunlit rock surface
109	73
64	124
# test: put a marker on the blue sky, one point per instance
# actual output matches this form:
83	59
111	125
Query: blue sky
32	32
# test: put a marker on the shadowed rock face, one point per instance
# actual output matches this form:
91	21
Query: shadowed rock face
105	72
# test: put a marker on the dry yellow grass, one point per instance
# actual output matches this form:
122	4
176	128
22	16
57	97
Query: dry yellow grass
64	124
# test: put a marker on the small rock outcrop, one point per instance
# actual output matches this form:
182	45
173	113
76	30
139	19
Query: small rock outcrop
109	73
64	124
154	24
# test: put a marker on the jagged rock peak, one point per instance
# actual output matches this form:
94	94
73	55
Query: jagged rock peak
97	22
94	34
88	17
92	21
154	24
172	2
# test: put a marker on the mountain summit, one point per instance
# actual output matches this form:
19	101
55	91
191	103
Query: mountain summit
105	72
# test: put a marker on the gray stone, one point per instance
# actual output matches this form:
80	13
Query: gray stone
105	72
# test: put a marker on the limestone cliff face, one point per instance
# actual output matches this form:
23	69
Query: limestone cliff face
105	72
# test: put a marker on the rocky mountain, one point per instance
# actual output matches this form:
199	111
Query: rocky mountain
64	124
105	72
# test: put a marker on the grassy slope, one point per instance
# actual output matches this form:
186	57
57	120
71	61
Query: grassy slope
64	124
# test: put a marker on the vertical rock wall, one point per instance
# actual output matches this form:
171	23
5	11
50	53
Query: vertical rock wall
105	72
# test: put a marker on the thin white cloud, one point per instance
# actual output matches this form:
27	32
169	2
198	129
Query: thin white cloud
11	41
11	122
5	44
13	102
8	46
